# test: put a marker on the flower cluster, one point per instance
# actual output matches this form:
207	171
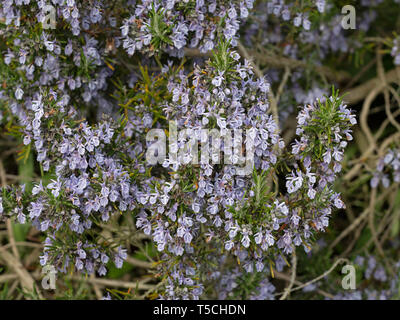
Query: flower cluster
309	36
396	51
323	133
226	97
240	214
289	11
71	63
88	184
387	169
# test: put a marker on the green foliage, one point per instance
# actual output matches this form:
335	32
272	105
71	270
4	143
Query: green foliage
159	29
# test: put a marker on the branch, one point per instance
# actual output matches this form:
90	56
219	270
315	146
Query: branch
282	62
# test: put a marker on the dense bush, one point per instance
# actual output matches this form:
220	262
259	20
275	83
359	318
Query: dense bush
209	144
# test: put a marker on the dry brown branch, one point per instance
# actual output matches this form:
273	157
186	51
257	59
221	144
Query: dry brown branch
25	278
357	94
276	61
364	117
367	153
273	60
8	277
371	224
340	260
392	116
141	285
13	260
10	231
358	220
139	263
358	76
282	84
96	287
381	73
284	276
292	277
353	242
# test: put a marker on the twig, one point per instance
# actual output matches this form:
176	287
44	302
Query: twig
292	277
272	100
349	175
141	285
158	285
10	232
139	263
381	73
96	287
8	277
374	234
389	113
23	244
361	73
276	61
354	240
283	276
364	116
282	84
25	278
341	260
13	260
357	221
